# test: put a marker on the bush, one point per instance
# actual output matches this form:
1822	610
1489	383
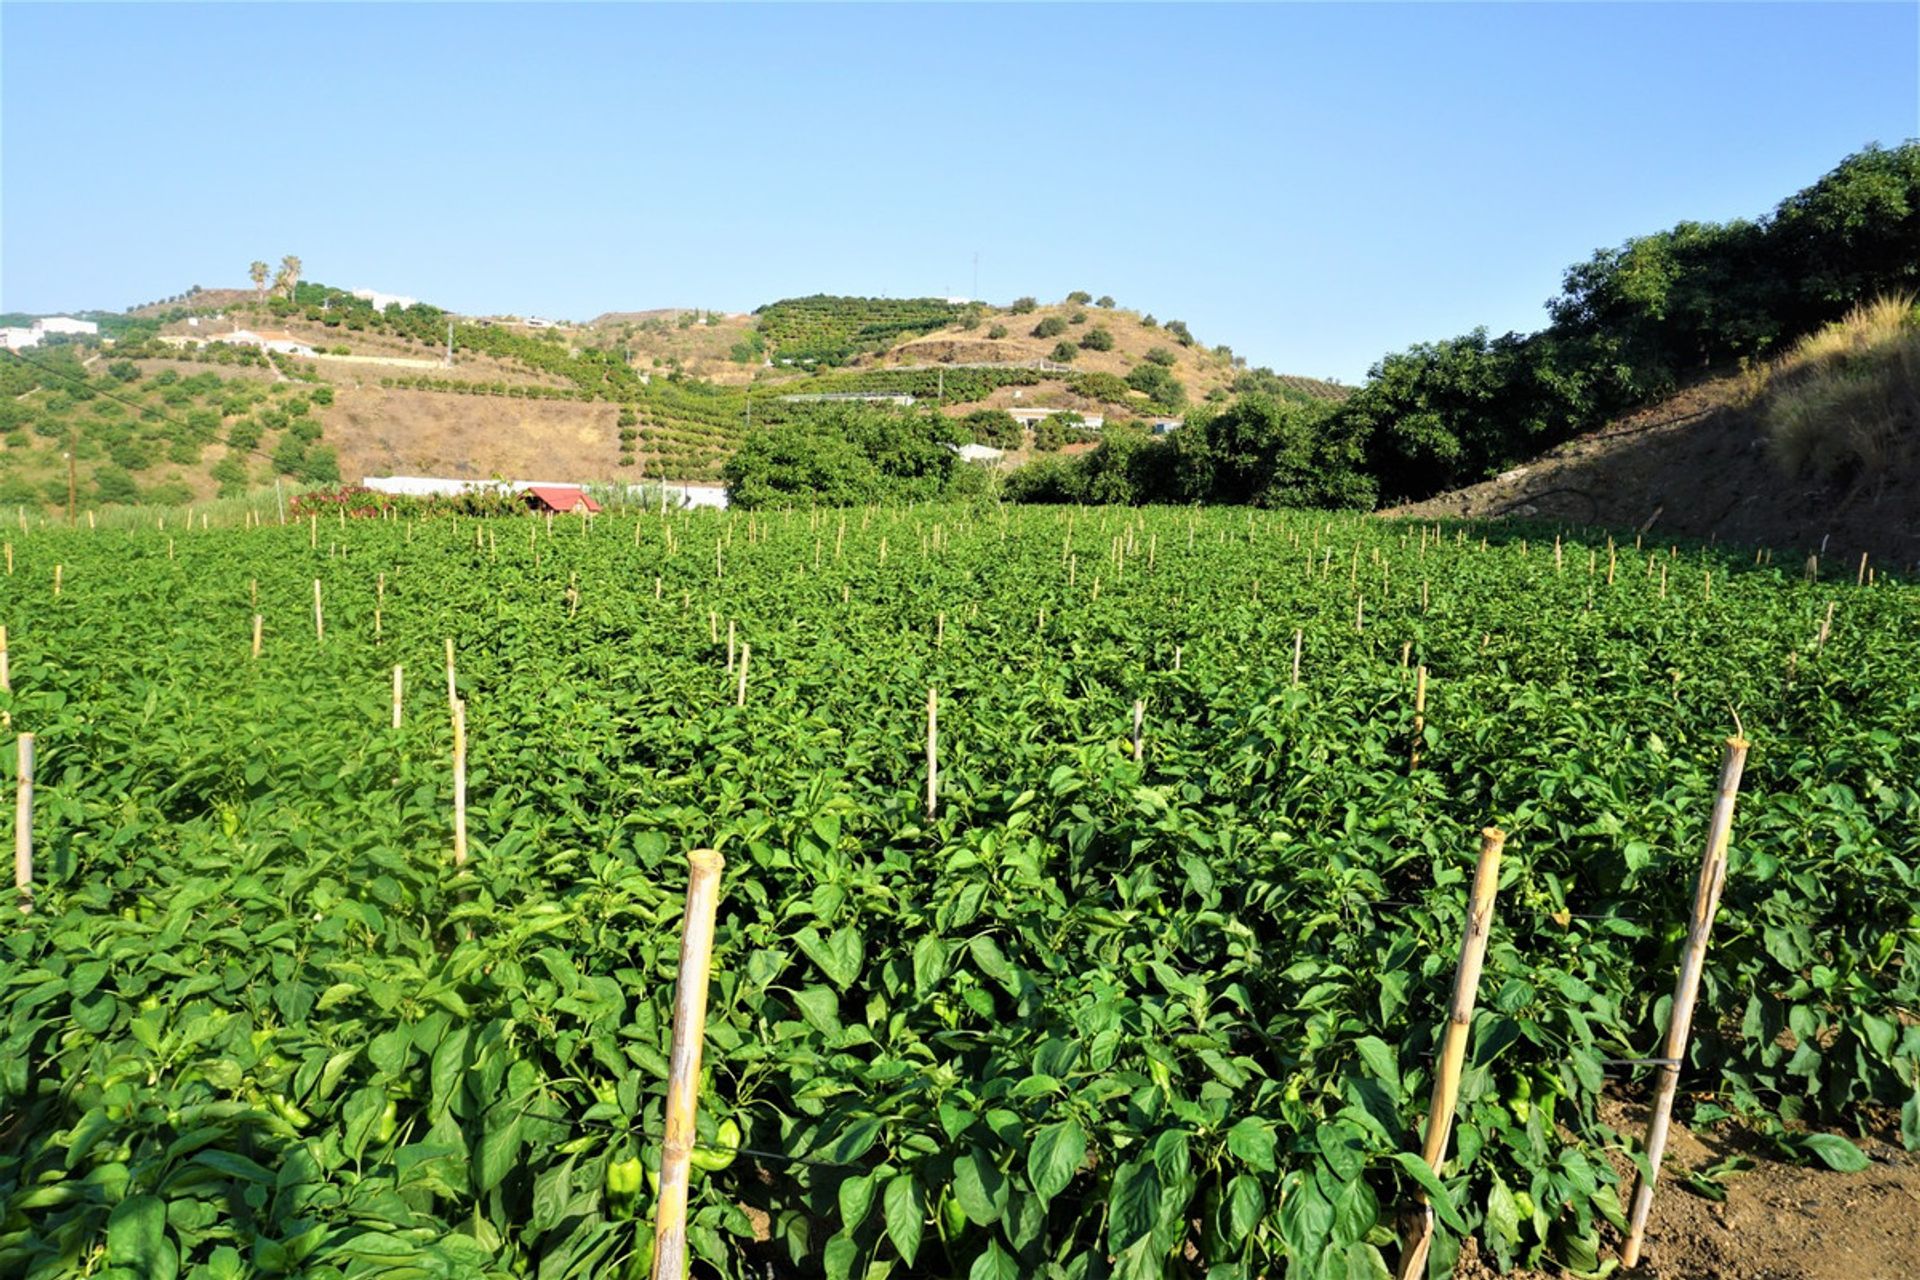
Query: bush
1105	300
1098	338
124	371
1162	357
1051	327
230	473
1050	479
1058	429
1063	352
323	395
1159	386
1079	297
1023	306
110	484
289	456
997	331
321	465
1076	316
1178	328
169	493
1108	388
995	427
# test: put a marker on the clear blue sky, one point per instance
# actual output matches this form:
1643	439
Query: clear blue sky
1315	185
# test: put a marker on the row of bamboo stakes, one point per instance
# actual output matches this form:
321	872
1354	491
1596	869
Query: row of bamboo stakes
1416	1226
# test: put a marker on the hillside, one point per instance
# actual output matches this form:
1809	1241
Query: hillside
629	396
1817	452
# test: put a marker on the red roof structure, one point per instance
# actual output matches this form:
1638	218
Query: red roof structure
561	498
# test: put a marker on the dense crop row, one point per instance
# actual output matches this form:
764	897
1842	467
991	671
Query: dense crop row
1171	1017
828	329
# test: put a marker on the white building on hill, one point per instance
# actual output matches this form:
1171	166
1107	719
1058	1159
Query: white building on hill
19	338
66	324
381	301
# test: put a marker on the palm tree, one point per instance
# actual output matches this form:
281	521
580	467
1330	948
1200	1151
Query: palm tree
259	273
289	274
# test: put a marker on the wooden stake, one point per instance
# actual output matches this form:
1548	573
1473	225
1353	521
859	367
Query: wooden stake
940	630
740	698
59	571
1176	657
1706	901
1139	723
683	1072
1826	628
319	618
6	664
1299	638
452	697
1419	715
1416	1228
399	686
23	824
459	783
730	645
257	623
933	754
1859	579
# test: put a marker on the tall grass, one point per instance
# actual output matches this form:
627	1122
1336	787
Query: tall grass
1844	404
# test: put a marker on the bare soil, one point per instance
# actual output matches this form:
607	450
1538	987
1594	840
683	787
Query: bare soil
1779	1221
1696	466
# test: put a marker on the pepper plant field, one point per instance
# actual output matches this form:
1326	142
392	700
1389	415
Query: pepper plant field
1095	1017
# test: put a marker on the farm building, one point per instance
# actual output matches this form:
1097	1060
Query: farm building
560	498
66	324
1033	416
267	340
19	338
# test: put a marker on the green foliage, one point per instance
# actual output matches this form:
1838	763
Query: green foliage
1157	383
1633	323
994	427
1098	338
112	484
1109	388
1178	328
1105	300
1050	327
1057	429
1023	306
844	454
1161	356
997	331
830	330
1079	297
1063	352
1180	1013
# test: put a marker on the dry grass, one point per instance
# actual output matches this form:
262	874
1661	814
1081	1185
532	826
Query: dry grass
1844	404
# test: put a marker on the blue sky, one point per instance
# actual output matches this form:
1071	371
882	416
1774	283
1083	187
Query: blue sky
1315	185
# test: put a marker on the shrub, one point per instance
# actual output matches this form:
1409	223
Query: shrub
230	473
997	331
1159	386
1106	387
1051	327
322	395
1161	356
124	371
1178	328
1063	352
1148	322
1105	300
1023	306
110	484
1050	479
1079	297
169	493
321	465
1076	316
1098	338
994	427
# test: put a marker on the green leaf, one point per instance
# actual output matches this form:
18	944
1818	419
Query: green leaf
838	957
1503	1212
980	1187
1133	1205
1381	1062
1055	1156
904	1204
1416	1168
995	1264
137	1239
1253	1142
1246	1204
856	1198
1836	1151
929	964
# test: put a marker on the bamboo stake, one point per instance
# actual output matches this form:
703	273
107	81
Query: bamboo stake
731	651
257	623
1706	901
59	571
452	697
1416	1228
399	687
23	824
683	1074
1139	723
740	698
1176	657
1419	715
1826	629
1299	638
6	664
940	630
933	754
319	618
459	783
1859	579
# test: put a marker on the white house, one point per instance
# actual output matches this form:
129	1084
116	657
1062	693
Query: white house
16	338
283	343
66	324
979	453
1033	416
